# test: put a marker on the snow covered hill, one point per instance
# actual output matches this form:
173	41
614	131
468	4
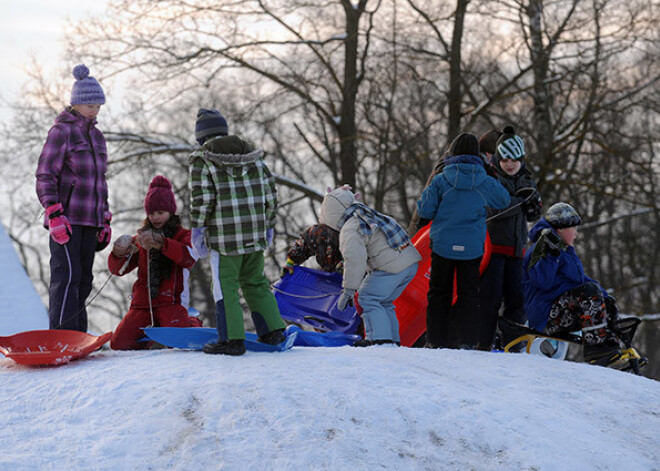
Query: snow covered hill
326	409
20	306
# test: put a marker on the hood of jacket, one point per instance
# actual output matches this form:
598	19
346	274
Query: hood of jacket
334	205
228	150
464	172
535	232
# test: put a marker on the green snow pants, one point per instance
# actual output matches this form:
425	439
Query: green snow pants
247	272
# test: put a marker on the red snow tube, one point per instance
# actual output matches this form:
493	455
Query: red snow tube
50	347
411	305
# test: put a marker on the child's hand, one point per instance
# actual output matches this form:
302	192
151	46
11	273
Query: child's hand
123	246
287	268
552	242
345	299
199	246
149	239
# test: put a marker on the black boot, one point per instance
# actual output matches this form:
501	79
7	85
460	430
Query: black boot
274	337
602	354
363	343
234	347
385	342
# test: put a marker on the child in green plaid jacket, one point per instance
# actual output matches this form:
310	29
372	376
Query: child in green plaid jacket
233	205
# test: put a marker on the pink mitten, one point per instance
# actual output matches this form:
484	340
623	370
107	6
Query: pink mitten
58	224
105	234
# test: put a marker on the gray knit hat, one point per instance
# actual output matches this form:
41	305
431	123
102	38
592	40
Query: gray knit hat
562	215
86	90
210	123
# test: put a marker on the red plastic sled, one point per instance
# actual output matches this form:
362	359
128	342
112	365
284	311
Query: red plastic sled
411	304
50	347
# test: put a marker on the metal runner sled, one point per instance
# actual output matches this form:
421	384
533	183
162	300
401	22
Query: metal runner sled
624	328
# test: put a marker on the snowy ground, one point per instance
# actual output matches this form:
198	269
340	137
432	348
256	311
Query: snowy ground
20	306
326	408
315	408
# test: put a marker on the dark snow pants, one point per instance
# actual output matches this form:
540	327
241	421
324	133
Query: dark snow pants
454	326
71	279
502	281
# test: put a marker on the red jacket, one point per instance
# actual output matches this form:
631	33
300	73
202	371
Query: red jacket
169	291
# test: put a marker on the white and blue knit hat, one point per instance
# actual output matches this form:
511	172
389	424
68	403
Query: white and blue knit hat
562	215
86	90
509	145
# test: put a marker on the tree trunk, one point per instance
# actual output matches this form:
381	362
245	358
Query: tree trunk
455	95
347	128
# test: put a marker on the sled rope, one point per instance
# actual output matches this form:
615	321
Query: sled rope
151	308
495	216
121	272
304	297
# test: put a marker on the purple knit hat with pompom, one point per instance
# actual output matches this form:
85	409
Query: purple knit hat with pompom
86	90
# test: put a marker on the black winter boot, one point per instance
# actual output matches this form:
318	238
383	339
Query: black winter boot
602	354
234	347
274	337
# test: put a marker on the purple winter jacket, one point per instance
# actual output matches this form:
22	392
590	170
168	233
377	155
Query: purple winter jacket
72	168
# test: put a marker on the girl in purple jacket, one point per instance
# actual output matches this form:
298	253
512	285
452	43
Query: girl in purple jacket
71	186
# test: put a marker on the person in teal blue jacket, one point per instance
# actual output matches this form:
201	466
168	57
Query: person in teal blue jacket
559	296
456	202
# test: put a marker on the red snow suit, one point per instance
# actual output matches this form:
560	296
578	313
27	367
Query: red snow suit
167	308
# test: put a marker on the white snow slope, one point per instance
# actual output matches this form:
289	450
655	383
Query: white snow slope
20	306
326	409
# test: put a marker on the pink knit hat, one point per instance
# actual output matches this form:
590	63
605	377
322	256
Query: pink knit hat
160	196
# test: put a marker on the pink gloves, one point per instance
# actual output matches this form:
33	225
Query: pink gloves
58	224
105	234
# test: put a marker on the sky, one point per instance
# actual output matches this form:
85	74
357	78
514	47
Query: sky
34	27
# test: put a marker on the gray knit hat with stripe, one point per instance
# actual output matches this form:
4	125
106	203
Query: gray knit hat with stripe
562	215
209	123
509	145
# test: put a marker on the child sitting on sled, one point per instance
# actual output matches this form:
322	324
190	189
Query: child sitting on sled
559	296
376	245
321	241
161	251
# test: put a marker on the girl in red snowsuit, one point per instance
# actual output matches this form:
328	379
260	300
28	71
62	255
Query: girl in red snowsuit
161	252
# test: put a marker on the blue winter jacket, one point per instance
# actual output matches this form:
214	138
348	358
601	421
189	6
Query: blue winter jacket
456	201
546	277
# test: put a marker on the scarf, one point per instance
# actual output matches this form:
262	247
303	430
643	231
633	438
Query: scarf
368	219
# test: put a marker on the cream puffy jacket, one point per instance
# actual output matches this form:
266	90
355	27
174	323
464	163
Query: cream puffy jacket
362	252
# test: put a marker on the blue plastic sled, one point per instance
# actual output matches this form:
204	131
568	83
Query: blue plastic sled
306	338
194	338
309	297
